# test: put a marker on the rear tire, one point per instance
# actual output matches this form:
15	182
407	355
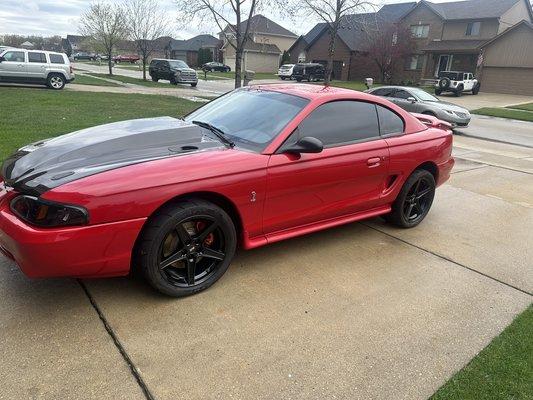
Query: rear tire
438	92
414	201
56	81
179	232
459	91
155	79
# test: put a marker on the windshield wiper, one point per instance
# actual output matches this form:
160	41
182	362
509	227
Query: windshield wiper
219	133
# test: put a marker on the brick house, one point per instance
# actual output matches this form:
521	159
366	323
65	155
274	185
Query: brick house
450	36
350	60
187	50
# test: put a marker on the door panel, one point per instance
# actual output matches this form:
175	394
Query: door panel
14	67
313	187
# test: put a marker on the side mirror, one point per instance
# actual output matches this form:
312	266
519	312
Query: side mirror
305	145
411	99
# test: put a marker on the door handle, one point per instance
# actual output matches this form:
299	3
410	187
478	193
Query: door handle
373	162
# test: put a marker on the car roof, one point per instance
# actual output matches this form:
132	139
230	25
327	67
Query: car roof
3	48
311	91
395	87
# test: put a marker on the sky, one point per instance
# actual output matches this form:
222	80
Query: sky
60	17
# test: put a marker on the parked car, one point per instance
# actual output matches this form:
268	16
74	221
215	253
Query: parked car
35	66
175	71
127	58
308	72
102	57
175	197
216	66
419	101
457	83
84	56
2	48
285	71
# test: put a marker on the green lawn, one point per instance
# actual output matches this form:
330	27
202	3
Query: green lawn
527	107
502	371
92	81
135	81
36	114
522	115
135	67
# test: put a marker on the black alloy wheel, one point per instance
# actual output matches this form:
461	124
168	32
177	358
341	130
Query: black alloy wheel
186	247
414	201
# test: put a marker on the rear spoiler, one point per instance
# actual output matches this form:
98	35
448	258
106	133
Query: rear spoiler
433	122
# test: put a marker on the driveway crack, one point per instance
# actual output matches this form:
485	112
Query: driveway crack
134	371
448	259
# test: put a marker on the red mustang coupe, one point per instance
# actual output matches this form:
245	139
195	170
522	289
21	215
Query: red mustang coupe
255	166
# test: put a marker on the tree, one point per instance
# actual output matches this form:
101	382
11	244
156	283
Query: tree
285	58
222	12
145	22
388	46
105	25
204	56
332	12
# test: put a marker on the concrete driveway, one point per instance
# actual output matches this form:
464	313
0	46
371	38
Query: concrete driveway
471	102
357	312
499	129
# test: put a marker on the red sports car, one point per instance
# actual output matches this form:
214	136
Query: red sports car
131	58
175	198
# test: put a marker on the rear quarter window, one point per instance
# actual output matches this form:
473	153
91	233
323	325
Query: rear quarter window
390	123
56	59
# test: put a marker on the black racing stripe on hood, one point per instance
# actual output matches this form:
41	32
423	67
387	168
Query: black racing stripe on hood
44	165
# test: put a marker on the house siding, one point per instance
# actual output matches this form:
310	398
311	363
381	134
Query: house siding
423	15
298	48
456	30
318	52
514	15
283	43
514	49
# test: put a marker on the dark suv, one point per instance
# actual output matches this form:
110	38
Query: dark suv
309	72
175	71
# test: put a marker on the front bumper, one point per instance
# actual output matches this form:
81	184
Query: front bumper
86	251
186	79
455	120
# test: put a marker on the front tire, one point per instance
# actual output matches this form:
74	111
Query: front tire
194	84
414	201
55	81
186	247
476	89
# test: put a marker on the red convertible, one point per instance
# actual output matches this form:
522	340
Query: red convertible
175	198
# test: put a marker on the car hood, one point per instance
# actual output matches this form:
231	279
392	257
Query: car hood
444	105
44	165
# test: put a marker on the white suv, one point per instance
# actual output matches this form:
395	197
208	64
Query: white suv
456	82
285	71
35	66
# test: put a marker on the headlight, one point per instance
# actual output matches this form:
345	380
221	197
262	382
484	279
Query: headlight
178	73
48	214
449	112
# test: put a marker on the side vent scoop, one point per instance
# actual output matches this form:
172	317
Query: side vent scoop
433	122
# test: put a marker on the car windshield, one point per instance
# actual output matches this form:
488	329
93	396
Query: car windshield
251	118
450	75
178	64
423	95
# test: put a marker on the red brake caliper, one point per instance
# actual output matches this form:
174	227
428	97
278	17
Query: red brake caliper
208	241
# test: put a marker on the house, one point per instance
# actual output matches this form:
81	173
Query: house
266	42
74	44
187	50
450	36
507	61
350	60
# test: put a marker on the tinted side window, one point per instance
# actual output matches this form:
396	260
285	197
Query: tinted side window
15	56
382	92
402	94
389	122
341	122
36	57
57	59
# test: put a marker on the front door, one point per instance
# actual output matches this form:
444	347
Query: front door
401	98
445	62
13	67
348	176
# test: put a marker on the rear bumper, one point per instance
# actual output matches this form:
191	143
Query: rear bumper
445	170
88	251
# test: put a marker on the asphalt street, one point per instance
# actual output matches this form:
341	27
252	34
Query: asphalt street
357	312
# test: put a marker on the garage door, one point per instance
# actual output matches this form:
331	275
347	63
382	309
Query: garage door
507	80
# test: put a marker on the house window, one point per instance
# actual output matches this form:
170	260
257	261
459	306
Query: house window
414	62
420	31
472	29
